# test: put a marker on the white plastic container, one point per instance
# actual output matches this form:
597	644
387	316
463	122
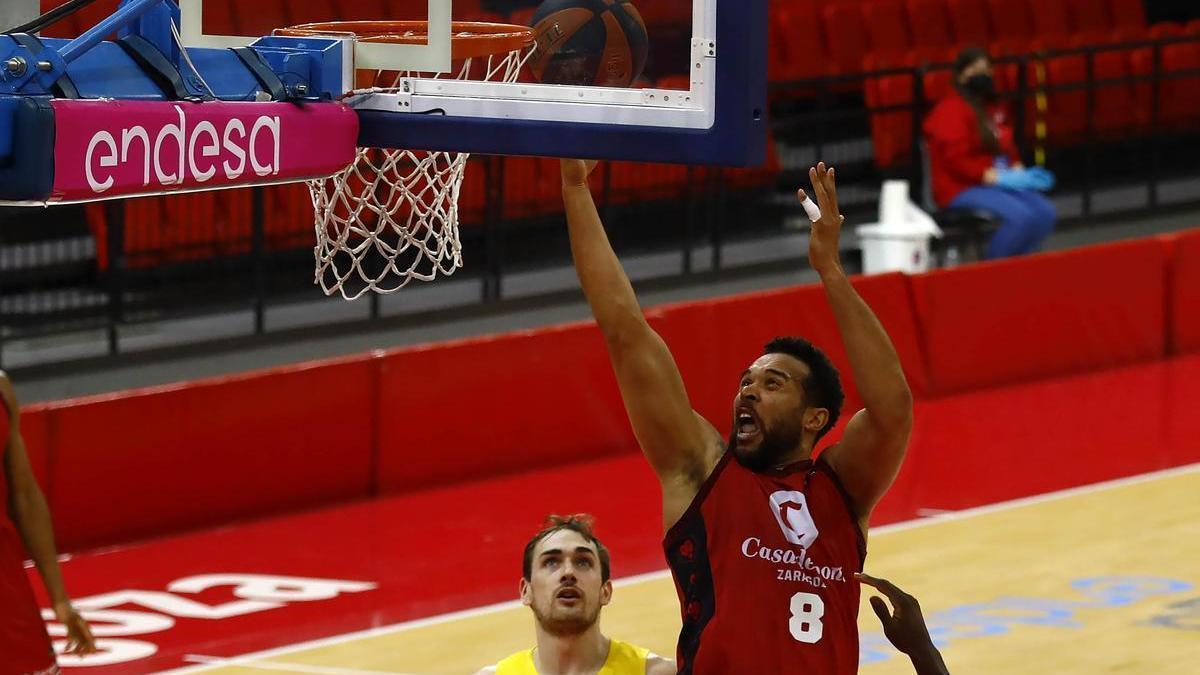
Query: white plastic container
900	240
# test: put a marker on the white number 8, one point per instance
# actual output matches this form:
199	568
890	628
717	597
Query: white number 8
807	610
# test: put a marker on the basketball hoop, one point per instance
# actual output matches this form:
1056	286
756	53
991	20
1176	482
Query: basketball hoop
392	215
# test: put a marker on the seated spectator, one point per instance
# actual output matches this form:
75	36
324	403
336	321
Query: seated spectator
975	165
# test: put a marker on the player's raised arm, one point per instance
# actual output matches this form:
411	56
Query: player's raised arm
869	456
679	444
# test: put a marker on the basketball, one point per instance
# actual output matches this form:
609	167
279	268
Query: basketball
588	42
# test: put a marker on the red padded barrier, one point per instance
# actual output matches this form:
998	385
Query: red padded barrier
35	429
205	453
1182	402
512	402
1184	298
1042	316
990	446
714	341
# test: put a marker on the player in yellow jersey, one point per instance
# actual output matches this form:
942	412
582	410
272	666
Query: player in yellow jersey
565	581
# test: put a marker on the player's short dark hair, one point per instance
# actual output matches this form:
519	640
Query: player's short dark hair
823	386
581	524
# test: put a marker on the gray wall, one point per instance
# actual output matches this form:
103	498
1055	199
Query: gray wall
16	12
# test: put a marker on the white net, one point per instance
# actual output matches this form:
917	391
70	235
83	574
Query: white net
392	215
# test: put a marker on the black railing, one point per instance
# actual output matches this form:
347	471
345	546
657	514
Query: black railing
53	280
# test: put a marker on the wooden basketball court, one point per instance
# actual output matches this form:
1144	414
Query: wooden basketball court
1101	579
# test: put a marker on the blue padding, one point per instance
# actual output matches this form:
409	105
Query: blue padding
27	170
738	136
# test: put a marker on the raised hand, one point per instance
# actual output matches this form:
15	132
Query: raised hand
905	626
576	171
823	244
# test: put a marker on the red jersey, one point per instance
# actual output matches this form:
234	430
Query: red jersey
24	644
957	157
763	564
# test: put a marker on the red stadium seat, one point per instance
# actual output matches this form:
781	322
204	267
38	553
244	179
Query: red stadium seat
1050	18
969	20
845	22
1112	113
1174	96
640	181
1141	64
1007	74
892	130
1066	114
796	48
1128	13
887	26
1010	20
938	84
1090	15
472	195
1179	102
930	23
755	177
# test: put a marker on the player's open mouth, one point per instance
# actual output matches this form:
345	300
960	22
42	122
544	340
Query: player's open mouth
747	425
568	595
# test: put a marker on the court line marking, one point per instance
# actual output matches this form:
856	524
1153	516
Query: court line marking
245	662
248	659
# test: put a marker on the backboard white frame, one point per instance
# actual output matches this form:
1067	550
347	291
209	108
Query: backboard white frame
432	57
691	109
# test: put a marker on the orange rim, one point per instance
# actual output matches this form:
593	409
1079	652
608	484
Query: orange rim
469	39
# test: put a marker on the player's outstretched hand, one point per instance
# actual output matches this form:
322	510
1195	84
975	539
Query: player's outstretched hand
823	251
576	171
79	634
904	625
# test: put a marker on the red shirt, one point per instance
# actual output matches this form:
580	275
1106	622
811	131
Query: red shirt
24	644
957	158
763	564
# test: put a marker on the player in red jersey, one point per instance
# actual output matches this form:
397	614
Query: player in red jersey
762	538
24	644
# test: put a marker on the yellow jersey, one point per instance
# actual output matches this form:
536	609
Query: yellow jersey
623	659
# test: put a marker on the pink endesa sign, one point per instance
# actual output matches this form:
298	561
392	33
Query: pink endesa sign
106	149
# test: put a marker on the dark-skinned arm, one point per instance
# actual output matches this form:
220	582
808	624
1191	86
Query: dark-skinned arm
679	444
873	446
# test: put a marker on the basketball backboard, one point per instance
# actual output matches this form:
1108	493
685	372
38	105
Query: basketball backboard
712	112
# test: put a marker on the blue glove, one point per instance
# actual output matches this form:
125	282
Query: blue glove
1040	179
1011	179
1036	178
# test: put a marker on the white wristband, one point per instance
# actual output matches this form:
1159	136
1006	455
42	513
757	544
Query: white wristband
811	208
